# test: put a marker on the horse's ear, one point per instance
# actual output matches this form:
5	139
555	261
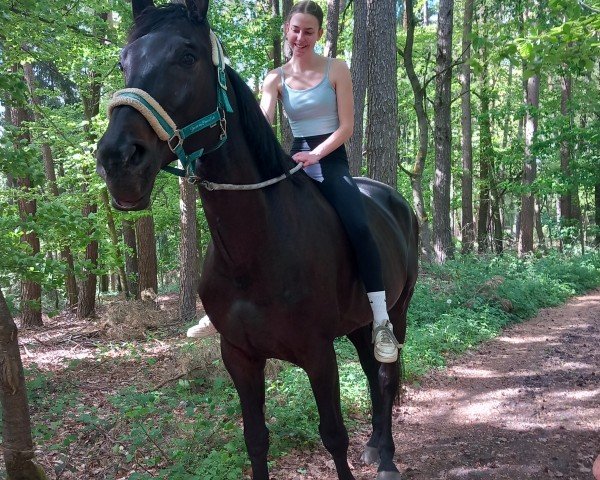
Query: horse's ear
198	8
138	6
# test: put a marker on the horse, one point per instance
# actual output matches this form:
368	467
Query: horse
280	278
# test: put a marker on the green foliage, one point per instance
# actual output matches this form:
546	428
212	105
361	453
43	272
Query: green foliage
470	299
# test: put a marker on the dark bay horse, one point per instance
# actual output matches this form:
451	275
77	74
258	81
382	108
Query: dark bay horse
280	278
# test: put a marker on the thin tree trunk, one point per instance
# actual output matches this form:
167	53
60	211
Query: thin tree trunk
31	291
86	302
188	252
66	256
114	238
539	228
486	150
17	442
442	237
416	176
359	72
332	28
468	228
597	213
382	92
286	131
532	92
146	250
131	263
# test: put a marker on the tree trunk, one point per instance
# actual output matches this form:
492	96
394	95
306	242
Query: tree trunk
442	237
539	228
468	228
86	302
532	93
597	213
31	291
131	263
359	71
382	92
286	131
416	176
66	256
188	252
332	28
114	239
17	442
486	154
146	250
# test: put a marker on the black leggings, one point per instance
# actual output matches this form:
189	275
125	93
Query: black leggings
340	189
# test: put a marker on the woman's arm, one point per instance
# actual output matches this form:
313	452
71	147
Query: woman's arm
341	80
270	94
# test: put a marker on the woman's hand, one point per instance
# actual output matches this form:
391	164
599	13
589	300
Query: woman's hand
306	158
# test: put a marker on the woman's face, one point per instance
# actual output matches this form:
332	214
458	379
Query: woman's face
302	32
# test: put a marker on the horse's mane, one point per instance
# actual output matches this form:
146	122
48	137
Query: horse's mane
259	134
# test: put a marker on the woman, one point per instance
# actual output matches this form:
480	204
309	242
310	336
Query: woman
316	93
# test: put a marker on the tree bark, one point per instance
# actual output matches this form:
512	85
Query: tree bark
146	249
188	252
382	92
31	291
442	237
416	175
131	263
17	442
486	151
332	28
532	93
359	73
468	228
114	238
597	214
286	131
86	302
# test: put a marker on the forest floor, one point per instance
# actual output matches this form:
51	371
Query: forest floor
525	405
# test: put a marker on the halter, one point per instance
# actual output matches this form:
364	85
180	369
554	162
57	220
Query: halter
167	130
165	127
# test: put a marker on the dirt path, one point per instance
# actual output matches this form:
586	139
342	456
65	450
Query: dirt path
524	406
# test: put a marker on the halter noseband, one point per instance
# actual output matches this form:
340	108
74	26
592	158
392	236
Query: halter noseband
165	127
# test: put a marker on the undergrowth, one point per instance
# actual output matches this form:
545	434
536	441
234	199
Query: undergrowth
193	430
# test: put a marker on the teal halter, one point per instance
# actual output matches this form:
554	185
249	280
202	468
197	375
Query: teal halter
165	127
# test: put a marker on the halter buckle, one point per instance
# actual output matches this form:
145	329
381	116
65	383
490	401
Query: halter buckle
177	135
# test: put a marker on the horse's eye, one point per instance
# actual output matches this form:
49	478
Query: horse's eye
120	65
188	59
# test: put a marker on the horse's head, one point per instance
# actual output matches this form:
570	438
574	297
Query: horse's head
171	79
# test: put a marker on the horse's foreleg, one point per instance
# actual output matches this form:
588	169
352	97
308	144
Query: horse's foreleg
324	380
248	375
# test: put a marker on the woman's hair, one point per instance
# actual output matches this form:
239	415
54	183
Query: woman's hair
307	6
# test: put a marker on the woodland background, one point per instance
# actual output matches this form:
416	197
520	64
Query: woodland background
485	114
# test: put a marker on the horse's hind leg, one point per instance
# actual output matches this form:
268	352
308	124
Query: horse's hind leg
324	380
248	375
361	339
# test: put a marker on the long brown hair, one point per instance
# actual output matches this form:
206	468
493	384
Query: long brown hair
307	6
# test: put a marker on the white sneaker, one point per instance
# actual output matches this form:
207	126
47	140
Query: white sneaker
203	329
386	345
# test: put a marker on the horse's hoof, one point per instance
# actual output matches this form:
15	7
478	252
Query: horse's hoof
370	456
388	476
